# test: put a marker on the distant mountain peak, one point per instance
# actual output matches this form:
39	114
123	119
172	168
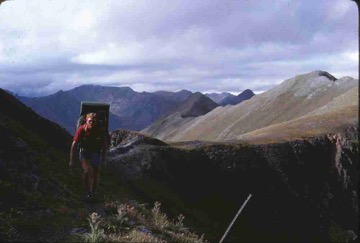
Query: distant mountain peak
198	104
247	92
234	100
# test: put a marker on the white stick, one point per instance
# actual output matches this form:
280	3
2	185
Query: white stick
238	213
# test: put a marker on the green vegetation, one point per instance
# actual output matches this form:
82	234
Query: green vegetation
133	222
49	206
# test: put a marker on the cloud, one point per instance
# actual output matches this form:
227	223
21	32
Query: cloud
223	45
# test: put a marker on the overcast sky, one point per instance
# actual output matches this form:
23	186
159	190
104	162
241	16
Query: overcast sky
198	45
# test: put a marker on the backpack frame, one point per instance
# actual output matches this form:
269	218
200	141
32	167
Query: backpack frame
101	109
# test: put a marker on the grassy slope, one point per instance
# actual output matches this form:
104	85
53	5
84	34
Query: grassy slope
49	214
341	112
305	127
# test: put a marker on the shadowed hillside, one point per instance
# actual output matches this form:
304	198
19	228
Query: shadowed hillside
41	197
297	186
196	105
15	111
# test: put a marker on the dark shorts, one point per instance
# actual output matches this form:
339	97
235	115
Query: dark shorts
93	157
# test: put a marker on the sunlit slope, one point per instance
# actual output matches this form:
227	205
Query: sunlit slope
289	100
339	114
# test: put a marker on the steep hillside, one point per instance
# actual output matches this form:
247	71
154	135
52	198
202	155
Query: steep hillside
41	197
60	108
196	105
14	112
32	155
289	100
129	109
339	113
296	186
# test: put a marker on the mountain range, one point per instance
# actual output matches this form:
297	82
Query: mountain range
128	109
311	103
297	156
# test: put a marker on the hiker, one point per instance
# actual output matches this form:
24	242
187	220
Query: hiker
93	151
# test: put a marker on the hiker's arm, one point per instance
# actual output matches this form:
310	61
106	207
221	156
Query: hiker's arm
72	151
77	138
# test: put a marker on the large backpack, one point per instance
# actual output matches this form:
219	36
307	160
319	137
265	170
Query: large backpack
102	111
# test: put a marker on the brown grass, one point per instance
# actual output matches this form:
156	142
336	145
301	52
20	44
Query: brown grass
305	127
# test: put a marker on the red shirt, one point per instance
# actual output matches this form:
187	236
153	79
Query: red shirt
91	139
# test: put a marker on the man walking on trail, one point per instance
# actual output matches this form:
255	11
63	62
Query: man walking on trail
93	151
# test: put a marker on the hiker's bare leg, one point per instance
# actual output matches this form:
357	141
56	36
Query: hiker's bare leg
88	174
95	178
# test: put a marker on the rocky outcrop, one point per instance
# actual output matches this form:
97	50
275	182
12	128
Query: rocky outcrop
133	149
300	189
125	138
326	74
